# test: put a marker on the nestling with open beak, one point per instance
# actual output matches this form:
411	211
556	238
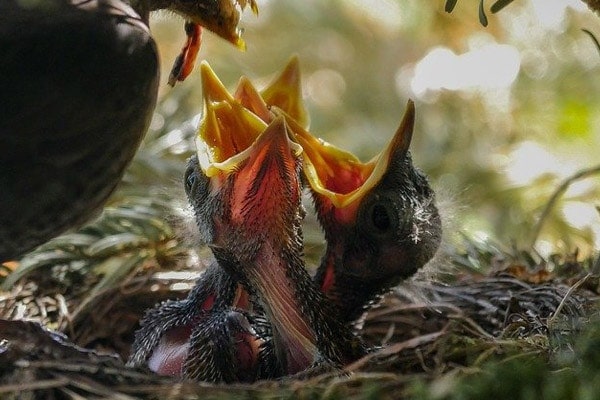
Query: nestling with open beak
167	341
380	220
337	179
252	223
174	336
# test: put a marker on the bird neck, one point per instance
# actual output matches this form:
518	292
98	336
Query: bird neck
302	316
275	281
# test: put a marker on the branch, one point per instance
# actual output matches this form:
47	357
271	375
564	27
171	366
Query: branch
582	174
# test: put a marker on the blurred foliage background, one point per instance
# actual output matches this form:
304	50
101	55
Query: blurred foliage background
505	113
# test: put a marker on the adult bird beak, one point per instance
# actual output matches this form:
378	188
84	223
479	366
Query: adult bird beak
221	18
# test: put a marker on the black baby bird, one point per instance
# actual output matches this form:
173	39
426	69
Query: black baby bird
380	220
252	218
342	186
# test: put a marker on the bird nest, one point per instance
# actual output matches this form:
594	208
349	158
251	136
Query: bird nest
56	341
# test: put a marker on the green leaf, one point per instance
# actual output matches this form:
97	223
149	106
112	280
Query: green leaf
482	17
116	244
450	4
499	5
70	242
36	261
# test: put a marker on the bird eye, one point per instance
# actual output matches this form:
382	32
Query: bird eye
190	180
379	216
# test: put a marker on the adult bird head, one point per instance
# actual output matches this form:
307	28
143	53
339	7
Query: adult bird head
218	16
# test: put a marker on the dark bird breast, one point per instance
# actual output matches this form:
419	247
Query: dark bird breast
77	91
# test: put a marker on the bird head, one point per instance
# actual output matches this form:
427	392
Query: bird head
218	16
380	219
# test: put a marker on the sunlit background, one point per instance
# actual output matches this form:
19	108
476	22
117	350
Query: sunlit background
505	113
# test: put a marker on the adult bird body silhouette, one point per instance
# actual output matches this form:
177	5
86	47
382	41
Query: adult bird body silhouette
79	83
79	86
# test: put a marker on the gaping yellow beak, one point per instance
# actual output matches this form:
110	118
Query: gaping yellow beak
283	92
340	176
230	124
226	129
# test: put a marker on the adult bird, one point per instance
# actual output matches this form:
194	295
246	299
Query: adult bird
79	83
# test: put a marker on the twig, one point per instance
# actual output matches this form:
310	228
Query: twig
395	348
35	385
566	296
562	188
594	39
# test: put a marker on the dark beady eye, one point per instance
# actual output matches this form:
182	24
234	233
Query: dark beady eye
379	216
190	179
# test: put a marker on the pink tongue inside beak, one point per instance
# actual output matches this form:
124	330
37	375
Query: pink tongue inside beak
170	353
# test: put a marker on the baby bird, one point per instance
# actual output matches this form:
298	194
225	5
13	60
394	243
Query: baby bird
252	218
388	190
380	220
